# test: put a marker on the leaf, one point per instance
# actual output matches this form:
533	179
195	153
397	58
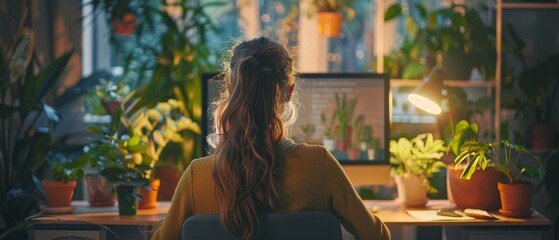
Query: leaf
51	113
393	12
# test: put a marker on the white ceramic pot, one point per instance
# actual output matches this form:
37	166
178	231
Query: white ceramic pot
329	144
371	154
411	191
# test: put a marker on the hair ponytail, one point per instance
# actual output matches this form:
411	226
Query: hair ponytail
246	172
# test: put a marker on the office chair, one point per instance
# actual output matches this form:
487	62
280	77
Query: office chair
273	226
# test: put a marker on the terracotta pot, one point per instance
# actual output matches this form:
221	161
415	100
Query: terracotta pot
542	135
149	197
411	191
111	106
343	144
126	25
58	194
353	154
516	199
479	192
330	23
100	191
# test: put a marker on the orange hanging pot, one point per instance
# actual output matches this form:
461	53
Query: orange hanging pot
330	23
126	25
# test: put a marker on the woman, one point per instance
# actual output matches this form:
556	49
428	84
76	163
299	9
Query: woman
255	168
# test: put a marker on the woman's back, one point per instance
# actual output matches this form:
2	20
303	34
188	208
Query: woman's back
312	180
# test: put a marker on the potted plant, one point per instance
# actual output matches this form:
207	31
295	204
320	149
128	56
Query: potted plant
468	187
372	146
308	131
540	94
60	191
330	15
119	14
413	164
354	147
344	109
516	191
329	140
457	31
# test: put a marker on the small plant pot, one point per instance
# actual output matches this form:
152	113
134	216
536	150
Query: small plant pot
353	154
329	144
330	23
516	199
411	191
100	191
126	25
371	154
58	194
149	196
542	135
363	146
480	192
127	202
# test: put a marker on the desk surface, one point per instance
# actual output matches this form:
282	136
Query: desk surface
390	213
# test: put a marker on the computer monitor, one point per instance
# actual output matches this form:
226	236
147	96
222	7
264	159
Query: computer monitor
361	100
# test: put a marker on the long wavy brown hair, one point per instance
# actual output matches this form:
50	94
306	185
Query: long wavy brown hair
251	118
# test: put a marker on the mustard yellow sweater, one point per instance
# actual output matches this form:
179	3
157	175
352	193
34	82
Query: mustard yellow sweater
313	181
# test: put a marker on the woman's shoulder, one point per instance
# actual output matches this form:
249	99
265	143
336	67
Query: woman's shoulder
310	151
203	162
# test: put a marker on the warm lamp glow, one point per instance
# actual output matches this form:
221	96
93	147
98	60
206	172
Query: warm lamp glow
425	104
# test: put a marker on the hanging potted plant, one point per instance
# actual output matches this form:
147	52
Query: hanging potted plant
520	168
329	15
119	14
413	164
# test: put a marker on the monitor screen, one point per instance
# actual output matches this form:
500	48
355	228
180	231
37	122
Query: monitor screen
358	101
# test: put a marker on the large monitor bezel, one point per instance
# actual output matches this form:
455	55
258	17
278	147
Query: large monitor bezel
308	77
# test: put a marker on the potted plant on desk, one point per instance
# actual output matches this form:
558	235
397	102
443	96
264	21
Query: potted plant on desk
413	163
60	191
516	192
329	140
468	187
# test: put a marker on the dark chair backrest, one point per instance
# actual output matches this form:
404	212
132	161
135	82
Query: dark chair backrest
273	226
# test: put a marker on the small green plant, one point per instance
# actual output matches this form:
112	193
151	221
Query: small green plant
344	108
356	130
339	6
308	130
329	124
64	169
417	157
502	156
463	132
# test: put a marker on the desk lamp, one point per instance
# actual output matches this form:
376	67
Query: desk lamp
427	96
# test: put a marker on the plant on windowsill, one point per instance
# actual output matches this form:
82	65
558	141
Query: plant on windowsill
330	15
413	163
507	158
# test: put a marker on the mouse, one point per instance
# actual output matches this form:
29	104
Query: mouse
449	212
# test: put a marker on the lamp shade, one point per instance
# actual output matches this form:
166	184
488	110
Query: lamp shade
427	96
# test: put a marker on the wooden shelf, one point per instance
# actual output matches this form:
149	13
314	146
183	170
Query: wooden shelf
529	5
450	83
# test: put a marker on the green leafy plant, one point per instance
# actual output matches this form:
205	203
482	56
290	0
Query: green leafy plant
329	123
357	129
308	130
27	122
417	157
457	31
63	169
339	6
502	156
344	109
463	132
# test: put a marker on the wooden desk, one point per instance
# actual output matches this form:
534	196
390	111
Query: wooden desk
93	222
534	227
86	217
